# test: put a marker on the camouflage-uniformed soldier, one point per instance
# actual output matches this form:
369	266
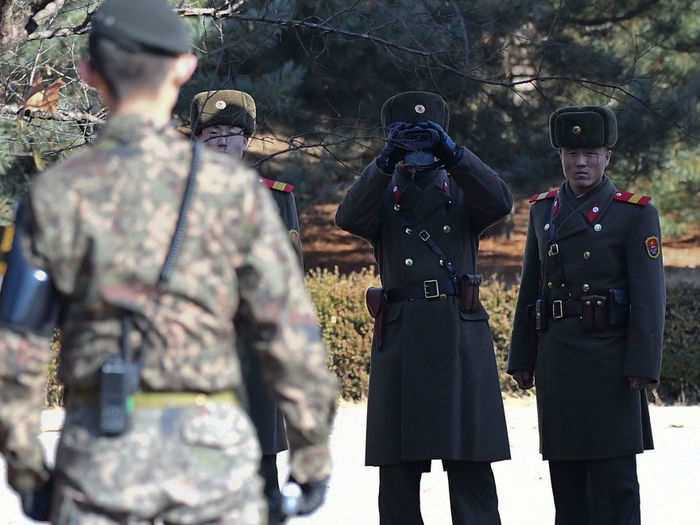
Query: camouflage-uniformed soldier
434	391
91	238
225	120
589	324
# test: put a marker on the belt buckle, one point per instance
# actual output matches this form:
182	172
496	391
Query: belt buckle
431	289
424	235
553	249
557	309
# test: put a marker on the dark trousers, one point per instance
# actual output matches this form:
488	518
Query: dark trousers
473	499
596	492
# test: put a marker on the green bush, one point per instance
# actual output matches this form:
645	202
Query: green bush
347	333
499	301
680	374
346	325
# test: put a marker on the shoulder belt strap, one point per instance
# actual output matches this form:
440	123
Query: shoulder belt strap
542	196
631	198
277	185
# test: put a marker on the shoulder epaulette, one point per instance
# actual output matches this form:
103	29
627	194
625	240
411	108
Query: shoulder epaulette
277	185
541	196
626	196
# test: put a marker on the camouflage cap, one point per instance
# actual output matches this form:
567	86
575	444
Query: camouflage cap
147	26
583	127
223	107
414	107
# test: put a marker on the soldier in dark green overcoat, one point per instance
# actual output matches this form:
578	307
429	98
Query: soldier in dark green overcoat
225	120
589	324
434	391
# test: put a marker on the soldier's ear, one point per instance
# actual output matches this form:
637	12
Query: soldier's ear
91	77
183	68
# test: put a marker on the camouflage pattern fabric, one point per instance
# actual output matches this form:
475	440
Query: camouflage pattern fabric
100	224
197	463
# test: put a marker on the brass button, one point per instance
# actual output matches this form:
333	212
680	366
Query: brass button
618	194
447	228
408	231
586	287
546	227
563	285
397	207
408	261
588	303
596	209
549	284
586	255
599	303
598	227
442	262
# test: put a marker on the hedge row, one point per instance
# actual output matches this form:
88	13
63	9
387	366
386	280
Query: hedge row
347	332
347	329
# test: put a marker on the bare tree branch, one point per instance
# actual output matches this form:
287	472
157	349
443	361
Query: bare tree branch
80	29
641	8
463	24
64	116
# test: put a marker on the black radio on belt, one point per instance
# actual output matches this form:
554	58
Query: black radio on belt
114	396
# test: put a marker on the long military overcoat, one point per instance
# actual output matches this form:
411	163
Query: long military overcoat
262	408
434	391
607	239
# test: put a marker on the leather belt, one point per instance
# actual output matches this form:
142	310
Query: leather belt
428	289
562	308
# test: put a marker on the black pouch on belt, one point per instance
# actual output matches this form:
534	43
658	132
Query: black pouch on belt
594	312
469	292
375	304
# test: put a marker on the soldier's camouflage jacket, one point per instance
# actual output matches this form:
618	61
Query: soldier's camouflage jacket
101	223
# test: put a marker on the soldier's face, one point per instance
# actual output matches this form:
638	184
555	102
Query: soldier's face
226	139
584	167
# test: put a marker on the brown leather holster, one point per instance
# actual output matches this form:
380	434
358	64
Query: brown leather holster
594	312
469	292
376	303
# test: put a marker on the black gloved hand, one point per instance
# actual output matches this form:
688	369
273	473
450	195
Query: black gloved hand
446	150
36	504
313	494
392	153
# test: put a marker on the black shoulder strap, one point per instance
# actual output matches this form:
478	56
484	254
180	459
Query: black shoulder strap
428	240
176	241
170	259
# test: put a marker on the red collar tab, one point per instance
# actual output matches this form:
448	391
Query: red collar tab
397	193
277	185
542	196
593	213
631	198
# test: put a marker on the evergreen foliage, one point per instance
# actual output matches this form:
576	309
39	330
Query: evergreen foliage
320	70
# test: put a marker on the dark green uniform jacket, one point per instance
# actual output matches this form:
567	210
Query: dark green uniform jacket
434	391
261	407
607	239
